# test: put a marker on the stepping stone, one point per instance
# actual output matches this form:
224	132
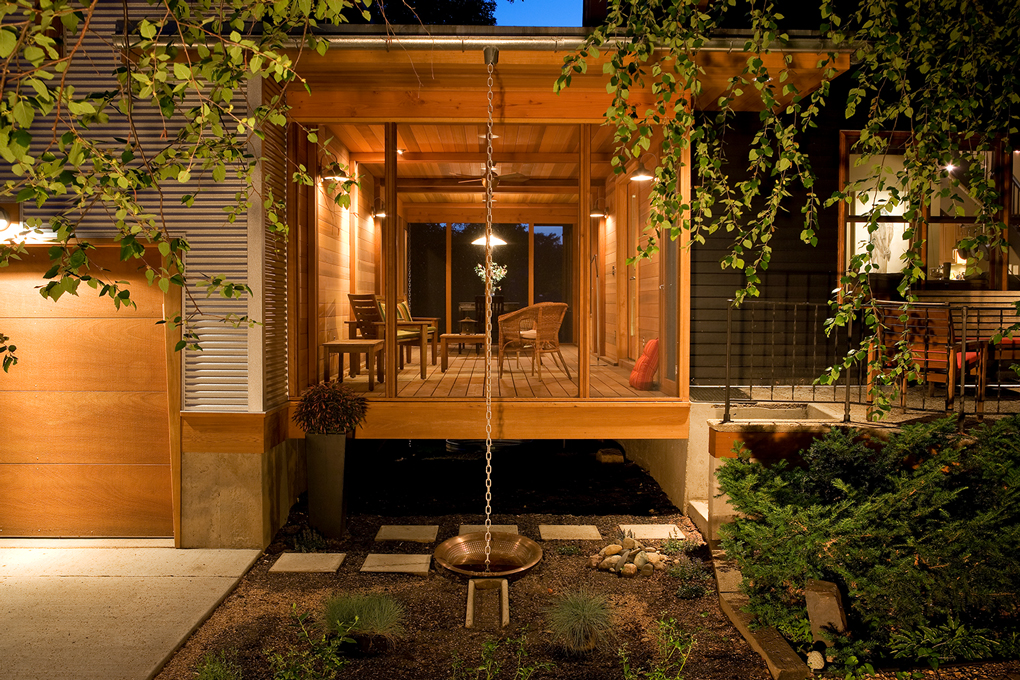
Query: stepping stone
653	532
569	532
418	533
308	563
398	564
495	528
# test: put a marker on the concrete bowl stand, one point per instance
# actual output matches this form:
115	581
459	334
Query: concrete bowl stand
488	584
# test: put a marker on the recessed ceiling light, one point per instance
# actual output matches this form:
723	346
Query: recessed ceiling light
494	136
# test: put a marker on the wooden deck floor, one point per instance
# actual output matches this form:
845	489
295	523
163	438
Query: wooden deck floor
466	378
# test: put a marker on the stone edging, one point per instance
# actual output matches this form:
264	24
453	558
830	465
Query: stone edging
783	662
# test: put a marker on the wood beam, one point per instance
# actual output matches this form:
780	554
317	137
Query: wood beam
444	212
390	260
457	186
476	157
584	260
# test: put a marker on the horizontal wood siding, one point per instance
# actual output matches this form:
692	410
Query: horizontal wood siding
769	347
85	441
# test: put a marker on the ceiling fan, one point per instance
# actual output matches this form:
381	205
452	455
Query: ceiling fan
497	177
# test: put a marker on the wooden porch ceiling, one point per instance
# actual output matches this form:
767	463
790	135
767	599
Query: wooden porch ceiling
438	98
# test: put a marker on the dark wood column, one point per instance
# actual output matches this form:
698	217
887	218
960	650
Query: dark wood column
389	247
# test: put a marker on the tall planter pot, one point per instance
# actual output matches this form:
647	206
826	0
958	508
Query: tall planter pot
327	507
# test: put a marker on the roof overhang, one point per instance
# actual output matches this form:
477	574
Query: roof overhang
409	74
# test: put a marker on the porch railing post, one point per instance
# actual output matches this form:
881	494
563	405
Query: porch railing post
729	328
849	345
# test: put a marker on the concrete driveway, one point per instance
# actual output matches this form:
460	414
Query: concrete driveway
105	609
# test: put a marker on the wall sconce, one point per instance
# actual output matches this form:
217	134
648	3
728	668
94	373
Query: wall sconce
642	174
598	208
378	210
9	226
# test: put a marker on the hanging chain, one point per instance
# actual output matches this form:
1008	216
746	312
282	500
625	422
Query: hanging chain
488	329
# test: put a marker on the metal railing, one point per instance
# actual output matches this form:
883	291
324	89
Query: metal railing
776	351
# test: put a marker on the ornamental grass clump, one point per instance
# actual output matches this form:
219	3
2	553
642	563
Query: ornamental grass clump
580	622
364	616
330	408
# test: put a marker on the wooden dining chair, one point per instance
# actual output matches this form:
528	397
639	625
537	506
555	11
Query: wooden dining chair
927	332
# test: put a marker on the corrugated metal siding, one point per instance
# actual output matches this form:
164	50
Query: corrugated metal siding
274	150
216	378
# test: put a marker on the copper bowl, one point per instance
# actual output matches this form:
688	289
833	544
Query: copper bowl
510	555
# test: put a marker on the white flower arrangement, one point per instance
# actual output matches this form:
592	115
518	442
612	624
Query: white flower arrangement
498	273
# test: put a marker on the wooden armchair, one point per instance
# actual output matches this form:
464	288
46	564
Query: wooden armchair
926	330
369	322
533	330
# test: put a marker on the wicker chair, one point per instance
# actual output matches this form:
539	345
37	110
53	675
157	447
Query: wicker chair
534	331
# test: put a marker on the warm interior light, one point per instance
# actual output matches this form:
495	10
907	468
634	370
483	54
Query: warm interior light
950	167
496	241
8	228
400	152
335	178
595	212
597	209
642	174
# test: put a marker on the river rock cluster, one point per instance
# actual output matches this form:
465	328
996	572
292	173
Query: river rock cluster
629	558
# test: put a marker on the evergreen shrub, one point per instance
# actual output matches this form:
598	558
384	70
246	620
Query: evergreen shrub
920	534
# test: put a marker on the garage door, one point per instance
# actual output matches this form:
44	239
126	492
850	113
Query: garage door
84	432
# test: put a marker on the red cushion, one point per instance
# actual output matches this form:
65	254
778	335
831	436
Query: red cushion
646	366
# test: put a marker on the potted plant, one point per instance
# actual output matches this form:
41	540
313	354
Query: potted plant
327	412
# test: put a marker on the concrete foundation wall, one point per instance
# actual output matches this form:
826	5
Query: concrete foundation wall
239	500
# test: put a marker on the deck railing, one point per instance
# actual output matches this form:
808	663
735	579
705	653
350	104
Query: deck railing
775	352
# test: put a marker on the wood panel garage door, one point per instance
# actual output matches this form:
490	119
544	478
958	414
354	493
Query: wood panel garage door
84	432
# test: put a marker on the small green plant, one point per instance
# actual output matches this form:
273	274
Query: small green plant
525	671
318	657
490	665
568	550
217	667
678	546
365	615
695	581
674	648
580	622
309	540
950	641
330	408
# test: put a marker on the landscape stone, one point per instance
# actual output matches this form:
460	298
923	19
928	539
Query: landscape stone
647	569
609	563
569	532
640	560
307	563
629	570
653	557
815	661
594	561
624	559
417	533
825	608
654	532
612	549
660	566
399	564
614	456
629	543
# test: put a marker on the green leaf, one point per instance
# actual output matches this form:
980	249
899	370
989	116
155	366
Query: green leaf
8	41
